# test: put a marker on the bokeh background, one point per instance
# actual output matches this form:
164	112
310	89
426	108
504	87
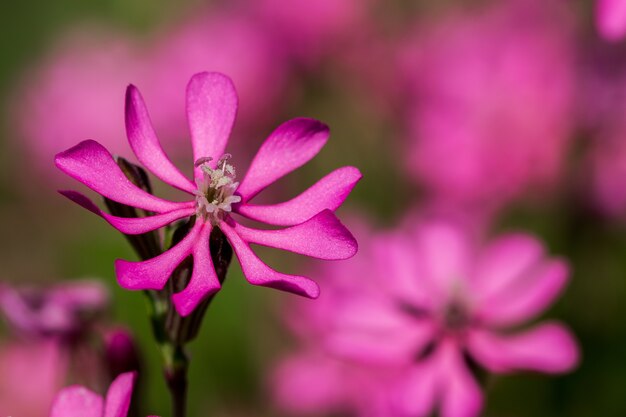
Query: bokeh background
509	113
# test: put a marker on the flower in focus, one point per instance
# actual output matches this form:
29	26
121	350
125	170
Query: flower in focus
429	299
62	310
611	18
491	93
78	401
32	373
217	196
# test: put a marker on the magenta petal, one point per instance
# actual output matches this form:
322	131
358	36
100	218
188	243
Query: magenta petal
154	273
548	347
258	273
461	395
76	401
211	109
90	163
145	143
417	395
611	18
322	236
533	293
328	193
289	147
204	281
119	395
132	225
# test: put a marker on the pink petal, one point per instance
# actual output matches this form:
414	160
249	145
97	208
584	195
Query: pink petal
461	395
442	256
119	395
204	281
505	260
328	193
611	18
90	163
211	108
132	225
417	394
530	295
548	347
322	236
145	143
289	147
258	273
76	401
154	273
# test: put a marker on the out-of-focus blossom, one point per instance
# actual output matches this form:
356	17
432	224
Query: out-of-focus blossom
607	164
611	18
32	373
61	310
309	30
78	401
424	300
120	352
77	91
491	113
211	106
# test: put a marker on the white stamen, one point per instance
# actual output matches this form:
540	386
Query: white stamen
215	193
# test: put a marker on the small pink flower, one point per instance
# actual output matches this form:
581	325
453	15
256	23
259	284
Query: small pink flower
427	298
77	401
61	310
491	102
611	18
217	196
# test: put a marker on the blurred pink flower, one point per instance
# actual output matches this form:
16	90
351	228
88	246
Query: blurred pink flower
76	92
120	351
61	310
211	107
491	113
611	18
309	30
446	297
32	372
418	303
77	401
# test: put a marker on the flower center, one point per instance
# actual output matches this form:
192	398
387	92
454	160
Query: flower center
215	193
456	317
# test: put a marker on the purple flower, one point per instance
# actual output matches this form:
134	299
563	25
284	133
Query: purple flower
61	310
217	196
426	299
611	18
77	401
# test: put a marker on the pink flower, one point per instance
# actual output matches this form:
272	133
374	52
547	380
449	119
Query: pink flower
217	196
611	18
32	372
425	299
492	93
77	401
61	310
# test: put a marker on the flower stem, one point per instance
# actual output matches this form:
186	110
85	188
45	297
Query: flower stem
176	378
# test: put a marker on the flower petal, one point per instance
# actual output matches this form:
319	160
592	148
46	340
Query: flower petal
322	236
204	280
548	347
328	193
461	395
503	261
211	109
131	225
90	163
417	394
289	147
258	273
77	401
527	297
154	273
119	395
145	143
